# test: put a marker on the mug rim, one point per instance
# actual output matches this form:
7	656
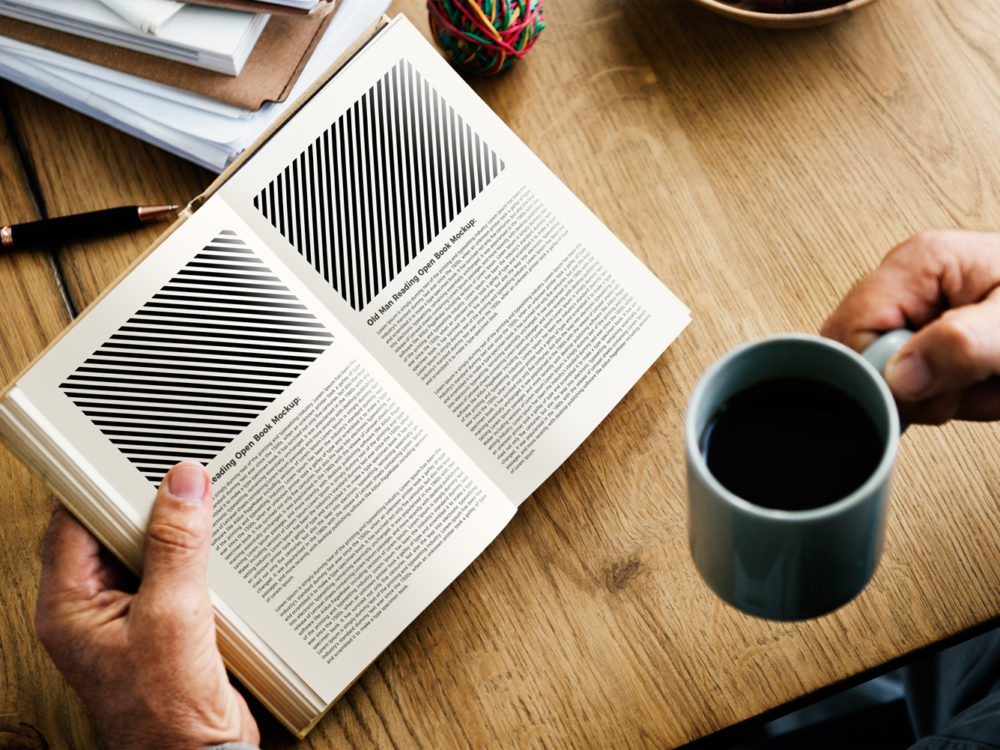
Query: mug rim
878	476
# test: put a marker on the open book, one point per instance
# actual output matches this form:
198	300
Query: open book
380	331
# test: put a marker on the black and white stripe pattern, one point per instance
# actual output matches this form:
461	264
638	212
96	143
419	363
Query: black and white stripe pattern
208	353
375	188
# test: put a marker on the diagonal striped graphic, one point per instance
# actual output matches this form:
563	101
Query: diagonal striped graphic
375	188
208	353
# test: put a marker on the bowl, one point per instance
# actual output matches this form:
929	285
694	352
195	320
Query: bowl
741	11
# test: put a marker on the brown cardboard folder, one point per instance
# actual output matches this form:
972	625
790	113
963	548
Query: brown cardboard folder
274	64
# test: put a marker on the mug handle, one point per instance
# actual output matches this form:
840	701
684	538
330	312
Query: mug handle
879	352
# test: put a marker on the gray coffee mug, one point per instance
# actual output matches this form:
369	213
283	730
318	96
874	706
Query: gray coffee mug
790	564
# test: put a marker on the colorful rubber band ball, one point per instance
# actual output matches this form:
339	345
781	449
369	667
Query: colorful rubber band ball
485	36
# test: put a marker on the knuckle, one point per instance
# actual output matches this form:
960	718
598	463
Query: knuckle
933	241
173	536
927	249
928	239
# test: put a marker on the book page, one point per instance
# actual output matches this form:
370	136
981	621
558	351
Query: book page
466	267
341	509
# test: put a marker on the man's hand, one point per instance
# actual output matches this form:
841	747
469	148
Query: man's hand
146	664
946	286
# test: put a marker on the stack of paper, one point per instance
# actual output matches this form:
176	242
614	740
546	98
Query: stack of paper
210	38
210	127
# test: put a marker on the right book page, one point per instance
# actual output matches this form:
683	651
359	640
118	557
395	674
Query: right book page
477	279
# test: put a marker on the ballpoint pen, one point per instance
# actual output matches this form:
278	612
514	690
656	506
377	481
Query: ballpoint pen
76	226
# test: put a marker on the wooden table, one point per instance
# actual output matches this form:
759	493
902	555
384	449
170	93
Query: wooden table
759	174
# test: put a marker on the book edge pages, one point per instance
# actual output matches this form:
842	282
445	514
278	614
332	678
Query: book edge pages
247	656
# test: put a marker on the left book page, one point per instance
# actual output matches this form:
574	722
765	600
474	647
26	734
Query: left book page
328	477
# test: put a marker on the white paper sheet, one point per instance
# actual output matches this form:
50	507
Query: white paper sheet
145	15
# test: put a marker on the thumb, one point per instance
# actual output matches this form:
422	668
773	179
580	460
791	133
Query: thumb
957	350
179	535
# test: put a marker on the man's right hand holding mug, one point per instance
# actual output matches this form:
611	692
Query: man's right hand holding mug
945	285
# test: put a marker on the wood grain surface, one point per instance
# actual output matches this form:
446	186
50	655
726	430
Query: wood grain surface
759	174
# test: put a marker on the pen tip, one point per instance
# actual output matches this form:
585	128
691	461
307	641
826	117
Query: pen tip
147	213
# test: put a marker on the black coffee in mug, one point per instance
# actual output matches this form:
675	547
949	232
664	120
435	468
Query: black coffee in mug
791	444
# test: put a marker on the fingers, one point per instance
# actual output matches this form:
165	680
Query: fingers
945	285
903	291
178	538
74	593
957	350
917	280
147	666
884	301
70	557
